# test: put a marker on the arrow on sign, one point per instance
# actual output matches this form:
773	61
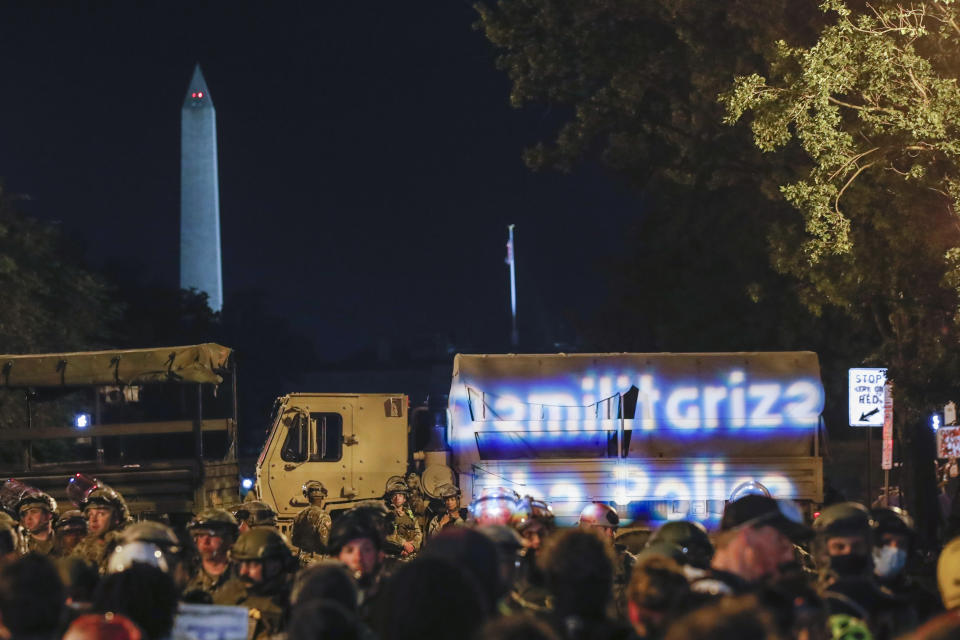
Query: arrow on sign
864	416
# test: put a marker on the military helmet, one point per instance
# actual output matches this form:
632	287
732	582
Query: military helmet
893	520
663	549
449	491
313	486
844	518
529	511
261	543
105	495
255	514
599	514
39	499
71	522
692	539
155	533
495	505
220	521
396	484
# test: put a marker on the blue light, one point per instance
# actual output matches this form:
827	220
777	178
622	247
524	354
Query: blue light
935	421
81	420
247	484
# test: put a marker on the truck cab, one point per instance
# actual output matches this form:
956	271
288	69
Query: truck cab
352	443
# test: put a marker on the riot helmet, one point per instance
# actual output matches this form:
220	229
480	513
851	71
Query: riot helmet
495	505
261	544
71	522
219	522
844	519
104	495
37	500
599	514
255	514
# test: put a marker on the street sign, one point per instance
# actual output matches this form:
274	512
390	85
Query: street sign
866	397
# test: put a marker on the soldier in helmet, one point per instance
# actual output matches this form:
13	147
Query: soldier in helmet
264	570
417	501
311	527
357	540
152	543
214	532
70	528
107	514
254	514
534	521
38	513
453	515
603	519
406	533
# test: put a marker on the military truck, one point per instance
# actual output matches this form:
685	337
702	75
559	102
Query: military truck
159	425
660	436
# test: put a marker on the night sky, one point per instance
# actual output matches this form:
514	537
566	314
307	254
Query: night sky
369	162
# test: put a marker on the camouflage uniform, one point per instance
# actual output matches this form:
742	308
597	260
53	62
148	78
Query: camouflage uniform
311	530
36	499
404	524
96	549
208	583
48	547
266	601
405	528
457	518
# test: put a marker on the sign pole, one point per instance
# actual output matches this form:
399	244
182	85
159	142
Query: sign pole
886	461
869	431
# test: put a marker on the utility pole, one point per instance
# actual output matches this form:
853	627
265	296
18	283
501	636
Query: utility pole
514	333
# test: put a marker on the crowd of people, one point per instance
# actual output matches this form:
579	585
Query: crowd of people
409	567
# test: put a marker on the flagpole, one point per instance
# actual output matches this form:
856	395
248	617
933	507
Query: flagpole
514	333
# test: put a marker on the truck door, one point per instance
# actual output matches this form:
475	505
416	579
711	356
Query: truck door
315	447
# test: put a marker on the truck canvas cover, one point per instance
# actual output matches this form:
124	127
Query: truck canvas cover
194	363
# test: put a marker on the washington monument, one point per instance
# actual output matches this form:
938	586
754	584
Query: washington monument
200	194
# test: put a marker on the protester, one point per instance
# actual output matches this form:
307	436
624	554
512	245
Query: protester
214	532
31	599
754	544
145	594
265	567
658	594
578	566
430	598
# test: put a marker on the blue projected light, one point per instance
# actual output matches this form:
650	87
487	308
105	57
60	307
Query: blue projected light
731	402
81	420
935	422
247	484
661	436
